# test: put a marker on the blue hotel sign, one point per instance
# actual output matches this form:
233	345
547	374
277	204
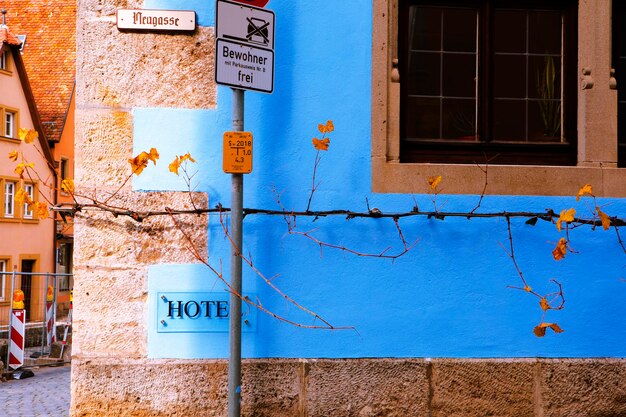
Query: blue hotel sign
199	312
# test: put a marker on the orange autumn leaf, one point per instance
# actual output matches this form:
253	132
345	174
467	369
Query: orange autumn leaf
604	218
42	209
175	165
540	330
21	167
544	304
321	144
21	196
153	155
67	185
527	288
565	216
561	250
327	128
27	135
139	162
584	190
434	181
13	156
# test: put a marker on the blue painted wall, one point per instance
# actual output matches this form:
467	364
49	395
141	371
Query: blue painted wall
448	297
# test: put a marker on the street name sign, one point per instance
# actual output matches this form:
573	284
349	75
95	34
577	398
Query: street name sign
144	19
244	50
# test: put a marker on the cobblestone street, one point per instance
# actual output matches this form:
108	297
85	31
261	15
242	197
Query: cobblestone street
47	394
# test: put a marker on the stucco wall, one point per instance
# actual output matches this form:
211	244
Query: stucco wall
447	298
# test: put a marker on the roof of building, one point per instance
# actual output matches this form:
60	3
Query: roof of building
49	55
8	44
7	37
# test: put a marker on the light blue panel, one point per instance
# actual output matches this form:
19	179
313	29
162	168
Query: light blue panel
205	9
448	297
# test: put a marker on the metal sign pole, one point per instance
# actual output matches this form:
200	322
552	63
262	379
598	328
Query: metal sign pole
236	230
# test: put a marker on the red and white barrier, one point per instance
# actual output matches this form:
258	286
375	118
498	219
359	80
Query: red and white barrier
50	323
18	333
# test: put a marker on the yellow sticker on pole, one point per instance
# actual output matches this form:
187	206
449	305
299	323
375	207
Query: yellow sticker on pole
237	158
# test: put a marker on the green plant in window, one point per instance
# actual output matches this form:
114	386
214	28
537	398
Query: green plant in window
549	103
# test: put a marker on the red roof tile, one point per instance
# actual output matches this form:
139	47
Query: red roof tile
49	54
7	37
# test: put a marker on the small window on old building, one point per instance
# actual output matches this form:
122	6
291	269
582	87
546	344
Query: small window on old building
9	199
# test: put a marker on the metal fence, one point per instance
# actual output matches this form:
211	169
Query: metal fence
47	302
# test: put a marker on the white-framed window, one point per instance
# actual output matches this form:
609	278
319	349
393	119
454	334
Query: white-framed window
3	61
9	124
3	279
9	198
30	190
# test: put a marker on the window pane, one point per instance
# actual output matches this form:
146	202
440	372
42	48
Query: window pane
510	31
509	122
509	76
459	119
545	77
422	120
424	72
544	32
459	30
459	75
544	121
9	192
425	28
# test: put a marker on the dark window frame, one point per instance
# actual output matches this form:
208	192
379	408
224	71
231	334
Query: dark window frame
618	47
457	152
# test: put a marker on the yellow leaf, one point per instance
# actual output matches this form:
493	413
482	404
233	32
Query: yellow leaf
175	165
42	209
565	216
27	135
139	162
585	190
604	218
22	196
21	167
540	330
13	156
543	303
434	181
527	288
188	157
153	156
321	144
561	250
67	185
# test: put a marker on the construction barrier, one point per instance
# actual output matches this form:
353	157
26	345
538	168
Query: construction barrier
50	316
18	337
45	299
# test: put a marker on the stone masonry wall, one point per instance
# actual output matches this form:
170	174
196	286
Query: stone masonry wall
111	374
359	387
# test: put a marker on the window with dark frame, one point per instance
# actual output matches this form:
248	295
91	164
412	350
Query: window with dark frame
488	80
619	64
